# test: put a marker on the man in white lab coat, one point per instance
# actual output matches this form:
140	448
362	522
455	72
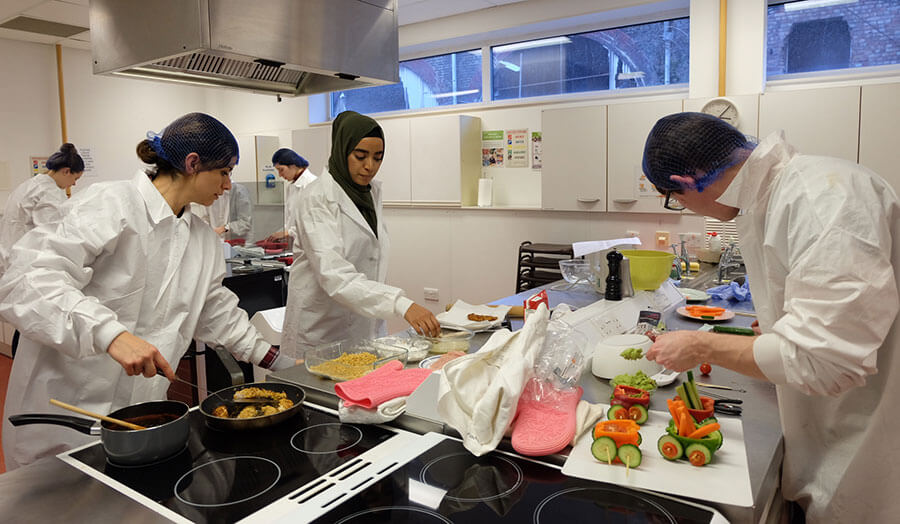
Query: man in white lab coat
119	288
821	241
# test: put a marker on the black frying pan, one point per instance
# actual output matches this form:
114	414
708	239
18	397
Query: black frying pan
223	397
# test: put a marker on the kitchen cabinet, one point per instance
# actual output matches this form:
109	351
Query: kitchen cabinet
395	174
573	175
815	121
629	124
445	159
879	128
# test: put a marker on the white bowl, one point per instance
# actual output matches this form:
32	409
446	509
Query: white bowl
609	362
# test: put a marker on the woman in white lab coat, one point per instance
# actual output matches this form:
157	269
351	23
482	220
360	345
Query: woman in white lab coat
294	169
120	286
821	240
337	288
36	201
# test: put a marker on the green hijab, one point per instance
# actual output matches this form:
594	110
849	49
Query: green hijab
347	130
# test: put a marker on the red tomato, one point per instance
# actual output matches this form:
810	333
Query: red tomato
705	368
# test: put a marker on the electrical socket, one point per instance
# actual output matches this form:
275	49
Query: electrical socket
432	294
662	240
631	233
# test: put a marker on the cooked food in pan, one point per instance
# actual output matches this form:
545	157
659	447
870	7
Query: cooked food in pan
474	317
278	402
254	392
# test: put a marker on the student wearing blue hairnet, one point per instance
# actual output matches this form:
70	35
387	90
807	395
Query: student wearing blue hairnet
120	286
294	169
821	241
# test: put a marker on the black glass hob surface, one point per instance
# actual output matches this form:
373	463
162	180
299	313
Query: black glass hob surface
223	476
447	484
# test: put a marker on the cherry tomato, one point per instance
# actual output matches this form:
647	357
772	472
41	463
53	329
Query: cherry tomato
705	368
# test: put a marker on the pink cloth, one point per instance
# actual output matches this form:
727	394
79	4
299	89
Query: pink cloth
385	383
547	426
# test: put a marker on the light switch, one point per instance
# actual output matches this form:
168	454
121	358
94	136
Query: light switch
662	240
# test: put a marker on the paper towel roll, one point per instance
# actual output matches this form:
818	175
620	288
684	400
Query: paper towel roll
485	192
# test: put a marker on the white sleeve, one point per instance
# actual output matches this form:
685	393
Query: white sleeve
46	211
40	293
840	303
316	221
240	217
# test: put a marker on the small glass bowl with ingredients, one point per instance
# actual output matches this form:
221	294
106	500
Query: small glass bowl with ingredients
416	346
450	339
350	359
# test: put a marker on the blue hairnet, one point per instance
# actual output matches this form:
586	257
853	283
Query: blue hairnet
67	156
287	157
195	133
697	145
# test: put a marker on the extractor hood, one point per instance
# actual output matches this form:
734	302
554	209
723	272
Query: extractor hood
284	47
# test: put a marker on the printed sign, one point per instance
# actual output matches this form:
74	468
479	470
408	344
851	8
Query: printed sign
517	148
493	148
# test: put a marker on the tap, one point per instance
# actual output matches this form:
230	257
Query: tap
679	259
727	261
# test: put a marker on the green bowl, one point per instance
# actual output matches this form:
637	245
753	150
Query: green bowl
648	268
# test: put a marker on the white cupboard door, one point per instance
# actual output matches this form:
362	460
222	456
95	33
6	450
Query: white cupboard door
879	127
629	125
395	169
573	175
435	159
815	121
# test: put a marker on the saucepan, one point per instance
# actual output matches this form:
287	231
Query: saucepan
225	397
166	434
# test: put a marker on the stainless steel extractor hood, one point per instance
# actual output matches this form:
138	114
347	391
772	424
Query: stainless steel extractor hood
284	47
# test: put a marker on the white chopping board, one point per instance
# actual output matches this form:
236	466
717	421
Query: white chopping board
725	480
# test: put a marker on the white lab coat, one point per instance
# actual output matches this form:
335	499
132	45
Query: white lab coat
233	209
292	201
336	289
118	260
33	203
821	241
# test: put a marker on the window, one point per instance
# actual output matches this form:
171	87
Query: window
818	35
442	80
642	55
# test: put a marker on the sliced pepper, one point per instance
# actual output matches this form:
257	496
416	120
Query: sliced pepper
629	395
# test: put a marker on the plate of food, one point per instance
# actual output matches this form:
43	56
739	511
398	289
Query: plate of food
706	313
473	318
693	295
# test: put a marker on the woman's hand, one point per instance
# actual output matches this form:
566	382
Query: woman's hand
137	356
677	350
422	320
755	327
220	230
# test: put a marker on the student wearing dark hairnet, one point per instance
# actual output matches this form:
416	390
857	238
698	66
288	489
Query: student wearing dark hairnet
821	241
294	169
120	286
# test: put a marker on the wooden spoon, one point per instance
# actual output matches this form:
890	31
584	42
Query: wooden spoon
91	414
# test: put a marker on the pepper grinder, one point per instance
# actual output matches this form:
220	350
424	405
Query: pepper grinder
613	280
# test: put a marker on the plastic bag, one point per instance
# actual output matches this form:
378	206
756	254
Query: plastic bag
731	291
560	363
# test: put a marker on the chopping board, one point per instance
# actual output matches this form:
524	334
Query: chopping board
725	480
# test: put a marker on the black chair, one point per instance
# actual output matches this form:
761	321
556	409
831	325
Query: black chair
539	264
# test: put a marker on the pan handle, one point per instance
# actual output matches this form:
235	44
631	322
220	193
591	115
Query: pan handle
84	425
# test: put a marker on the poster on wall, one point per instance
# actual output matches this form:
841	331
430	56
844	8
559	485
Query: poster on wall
517	148
493	148
90	170
537	150
39	165
643	187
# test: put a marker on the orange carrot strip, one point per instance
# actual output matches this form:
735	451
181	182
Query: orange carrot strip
703	431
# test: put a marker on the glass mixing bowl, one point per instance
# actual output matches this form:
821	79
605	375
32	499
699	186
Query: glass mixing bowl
576	271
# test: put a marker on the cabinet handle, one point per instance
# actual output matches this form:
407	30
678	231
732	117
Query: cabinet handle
588	200
625	200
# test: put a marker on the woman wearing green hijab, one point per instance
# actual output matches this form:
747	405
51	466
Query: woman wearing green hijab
337	288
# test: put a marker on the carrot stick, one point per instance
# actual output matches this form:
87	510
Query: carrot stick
703	431
672	411
687	423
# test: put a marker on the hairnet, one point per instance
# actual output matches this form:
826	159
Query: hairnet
67	156
195	133
287	157
693	145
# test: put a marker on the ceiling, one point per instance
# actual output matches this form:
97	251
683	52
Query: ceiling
65	22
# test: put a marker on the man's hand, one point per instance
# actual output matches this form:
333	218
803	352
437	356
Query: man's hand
677	350
137	356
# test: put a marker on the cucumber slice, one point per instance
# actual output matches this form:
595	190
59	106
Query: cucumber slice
640	439
617	412
630	455
698	454
669	447
604	449
716	436
638	413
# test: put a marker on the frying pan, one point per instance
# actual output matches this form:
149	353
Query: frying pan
223	397
128	447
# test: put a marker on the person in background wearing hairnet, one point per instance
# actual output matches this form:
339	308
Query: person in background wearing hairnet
821	239
294	169
337	290
120	286
231	215
36	202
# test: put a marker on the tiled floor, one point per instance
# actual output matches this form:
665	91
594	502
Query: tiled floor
5	366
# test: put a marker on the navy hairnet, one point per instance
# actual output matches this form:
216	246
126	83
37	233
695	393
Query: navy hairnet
695	145
195	133
287	157
67	156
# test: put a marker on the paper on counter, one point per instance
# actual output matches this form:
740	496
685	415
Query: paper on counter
593	246
457	316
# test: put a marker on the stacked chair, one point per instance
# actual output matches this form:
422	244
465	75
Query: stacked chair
539	264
